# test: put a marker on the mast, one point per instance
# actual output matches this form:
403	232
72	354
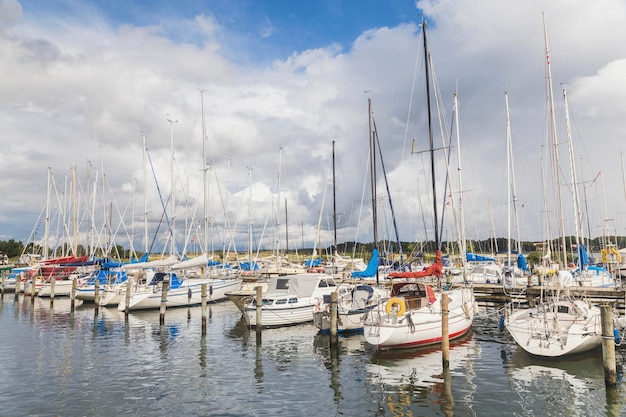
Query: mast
555	147
373	177
430	135
576	196
508	179
145	196
173	186
334	212
205	172
462	238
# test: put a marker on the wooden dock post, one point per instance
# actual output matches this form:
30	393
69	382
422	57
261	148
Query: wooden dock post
445	341
52	285
259	311
96	297
127	298
164	288
4	280
18	281
608	346
73	295
333	318
33	292
203	295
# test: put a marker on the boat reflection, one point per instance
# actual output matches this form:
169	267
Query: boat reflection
563	387
421	367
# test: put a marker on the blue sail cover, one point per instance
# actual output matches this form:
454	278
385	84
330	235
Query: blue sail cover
249	266
521	262
108	264
472	257
371	269
313	262
582	255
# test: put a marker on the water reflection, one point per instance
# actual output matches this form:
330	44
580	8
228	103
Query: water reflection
414	376
566	386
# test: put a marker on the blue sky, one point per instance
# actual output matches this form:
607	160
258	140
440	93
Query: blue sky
84	82
264	29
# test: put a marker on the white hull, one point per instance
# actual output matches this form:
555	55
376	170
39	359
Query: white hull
62	288
354	301
419	326
290	299
574	328
112	296
279	316
187	295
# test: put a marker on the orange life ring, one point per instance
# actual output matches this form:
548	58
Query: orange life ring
389	307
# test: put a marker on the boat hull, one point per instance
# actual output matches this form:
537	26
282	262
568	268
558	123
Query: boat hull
557	333
385	329
187	295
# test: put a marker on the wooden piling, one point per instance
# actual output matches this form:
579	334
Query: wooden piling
96	297
4	280
52	285
445	341
608	346
333	318
127	305
73	295
18	282
164	288
33	292
259	310
203	295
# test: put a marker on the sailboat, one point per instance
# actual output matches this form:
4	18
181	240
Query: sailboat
354	301
558	324
411	317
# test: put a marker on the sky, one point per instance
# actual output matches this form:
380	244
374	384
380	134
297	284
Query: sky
84	84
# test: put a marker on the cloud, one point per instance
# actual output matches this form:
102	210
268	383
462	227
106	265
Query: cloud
82	90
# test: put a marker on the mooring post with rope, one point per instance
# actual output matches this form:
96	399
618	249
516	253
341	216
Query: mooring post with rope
608	346
333	318
259	311
203	295
73	295
445	341
163	307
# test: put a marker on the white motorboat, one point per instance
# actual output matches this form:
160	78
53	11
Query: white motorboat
290	299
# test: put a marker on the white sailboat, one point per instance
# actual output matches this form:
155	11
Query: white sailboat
412	315
558	324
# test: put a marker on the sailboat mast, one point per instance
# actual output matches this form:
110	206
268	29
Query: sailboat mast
576	196
145	197
430	134
205	171
508	178
334	208
555	147
462	237
373	176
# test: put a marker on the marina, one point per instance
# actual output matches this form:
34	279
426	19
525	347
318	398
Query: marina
58	362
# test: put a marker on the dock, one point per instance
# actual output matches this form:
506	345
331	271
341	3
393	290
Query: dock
495	294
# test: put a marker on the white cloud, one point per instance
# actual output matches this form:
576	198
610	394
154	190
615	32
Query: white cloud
73	92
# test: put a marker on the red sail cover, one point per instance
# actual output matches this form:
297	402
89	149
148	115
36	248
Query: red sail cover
435	269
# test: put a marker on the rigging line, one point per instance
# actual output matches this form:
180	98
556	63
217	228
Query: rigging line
162	203
393	215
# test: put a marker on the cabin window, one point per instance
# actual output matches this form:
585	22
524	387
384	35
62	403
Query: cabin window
278	302
282	284
563	309
293	300
266	302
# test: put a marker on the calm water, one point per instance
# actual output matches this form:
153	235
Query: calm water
54	363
